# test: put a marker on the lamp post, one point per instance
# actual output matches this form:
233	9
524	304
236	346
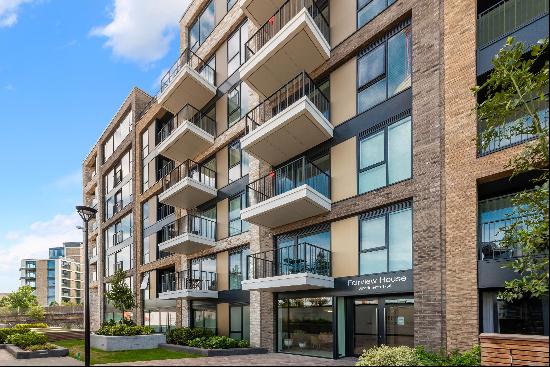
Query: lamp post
86	213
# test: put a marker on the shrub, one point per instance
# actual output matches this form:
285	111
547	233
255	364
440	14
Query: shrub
37	313
244	344
198	342
123	330
388	356
182	336
47	346
37	325
26	340
471	357
6	332
217	342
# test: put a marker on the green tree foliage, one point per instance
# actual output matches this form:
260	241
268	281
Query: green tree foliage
121	295
21	299
37	313
512	96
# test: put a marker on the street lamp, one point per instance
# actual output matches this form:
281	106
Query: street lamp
86	213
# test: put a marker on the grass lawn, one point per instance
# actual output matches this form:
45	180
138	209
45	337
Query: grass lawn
76	346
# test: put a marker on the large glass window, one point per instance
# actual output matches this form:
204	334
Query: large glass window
121	132
238	161
204	315
385	157
237	267
237	103
367	10
386	241
239	322
236	225
203	26
236	48
304	326
385	70
119	232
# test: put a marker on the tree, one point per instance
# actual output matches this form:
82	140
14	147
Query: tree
21	299
121	295
513	97
37	313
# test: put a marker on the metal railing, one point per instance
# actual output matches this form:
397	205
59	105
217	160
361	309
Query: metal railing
165	170
118	237
505	17
191	224
192	170
491	235
293	259
281	17
300	86
297	173
191	114
164	210
167	282
188	58
197	280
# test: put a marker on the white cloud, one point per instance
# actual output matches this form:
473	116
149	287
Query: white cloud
9	10
34	243
141	30
71	180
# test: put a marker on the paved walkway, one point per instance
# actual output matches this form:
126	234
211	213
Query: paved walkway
271	359
7	359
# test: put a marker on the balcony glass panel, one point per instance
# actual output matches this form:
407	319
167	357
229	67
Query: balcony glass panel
187	114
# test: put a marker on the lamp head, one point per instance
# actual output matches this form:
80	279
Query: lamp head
86	213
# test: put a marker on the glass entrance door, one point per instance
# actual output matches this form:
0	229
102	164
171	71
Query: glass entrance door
376	321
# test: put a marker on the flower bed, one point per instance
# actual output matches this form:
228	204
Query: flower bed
116	337
24	344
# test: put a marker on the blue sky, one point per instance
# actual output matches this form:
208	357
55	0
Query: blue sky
65	68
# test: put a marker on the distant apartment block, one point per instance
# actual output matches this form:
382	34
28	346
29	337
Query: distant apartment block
56	279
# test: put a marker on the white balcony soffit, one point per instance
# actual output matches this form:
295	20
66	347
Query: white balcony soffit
187	244
185	142
187	87
290	282
188	193
189	294
298	46
294	205
295	130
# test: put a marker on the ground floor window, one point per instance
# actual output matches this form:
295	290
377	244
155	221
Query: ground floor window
203	316
161	320
239	322
305	326
524	316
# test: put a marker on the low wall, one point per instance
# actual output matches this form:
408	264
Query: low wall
62	316
513	350
213	352
117	343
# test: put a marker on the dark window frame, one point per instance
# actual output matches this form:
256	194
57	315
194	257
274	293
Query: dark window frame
197	21
357	24
241	332
242	197
236	88
240	162
238	31
243	272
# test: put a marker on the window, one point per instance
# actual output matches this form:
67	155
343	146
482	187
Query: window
230	4
367	10
237	267
119	260
384	70
239	322
119	232
145	144
203	26
236	225
145	177
237	103
236	46
238	161
385	157
164	166
204	315
386	240
121	132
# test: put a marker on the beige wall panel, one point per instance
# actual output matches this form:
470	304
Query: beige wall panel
343	169
221	63
222	172
222	226
343	92
152	284
222	266
344	236
221	114
222	319
220	9
342	20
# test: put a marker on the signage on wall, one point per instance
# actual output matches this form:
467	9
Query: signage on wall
394	282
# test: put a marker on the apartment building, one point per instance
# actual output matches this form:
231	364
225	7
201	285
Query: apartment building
57	279
301	178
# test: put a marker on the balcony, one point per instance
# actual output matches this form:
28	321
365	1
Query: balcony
186	135
291	193
292	268
188	235
525	20
189	285
93	255
188	185
294	39
259	11
289	122
189	81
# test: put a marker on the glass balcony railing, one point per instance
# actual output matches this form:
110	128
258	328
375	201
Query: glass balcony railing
190	59
191	114
282	17
295	174
505	17
191	224
294	259
490	245
192	170
300	86
189	280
